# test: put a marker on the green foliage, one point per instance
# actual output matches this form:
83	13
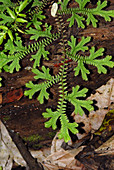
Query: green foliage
91	59
87	12
20	18
78	18
39	33
11	18
42	87
5	3
41	52
79	104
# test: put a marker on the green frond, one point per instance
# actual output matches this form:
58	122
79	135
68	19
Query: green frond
14	64
37	33
45	75
99	63
105	14
53	118
81	67
78	18
79	104
41	87
37	88
90	13
4	60
80	46
65	127
37	57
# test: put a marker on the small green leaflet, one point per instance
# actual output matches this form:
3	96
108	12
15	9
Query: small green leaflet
38	33
53	118
42	75
15	63
36	88
78	18
4	60
5	19
99	63
79	104
80	46
65	127
37	57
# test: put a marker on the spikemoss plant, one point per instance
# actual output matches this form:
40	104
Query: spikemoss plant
14	51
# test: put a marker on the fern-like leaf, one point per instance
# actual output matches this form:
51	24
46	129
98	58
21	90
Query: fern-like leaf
4	60
41	87
65	127
79	104
38	33
45	75
37	57
14	64
53	118
80	46
37	88
78	18
99	63
81	68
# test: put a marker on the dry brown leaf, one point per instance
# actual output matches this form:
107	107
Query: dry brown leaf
62	159
107	148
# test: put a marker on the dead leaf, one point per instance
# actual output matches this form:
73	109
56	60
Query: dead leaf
8	150
107	148
62	160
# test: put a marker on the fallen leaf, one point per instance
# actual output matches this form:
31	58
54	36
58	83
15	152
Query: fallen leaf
62	160
107	148
12	95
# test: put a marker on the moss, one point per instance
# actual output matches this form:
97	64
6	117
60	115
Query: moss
51	134
106	123
33	138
